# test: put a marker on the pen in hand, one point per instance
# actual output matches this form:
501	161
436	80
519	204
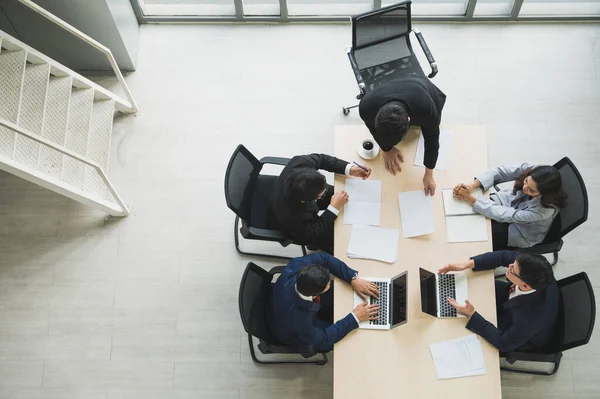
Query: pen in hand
362	167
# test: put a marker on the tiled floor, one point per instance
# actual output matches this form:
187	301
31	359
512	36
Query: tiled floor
146	307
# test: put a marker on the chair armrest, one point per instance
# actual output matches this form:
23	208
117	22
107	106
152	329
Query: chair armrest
543	248
304	350
273	235
357	75
275	160
512	357
428	54
276	270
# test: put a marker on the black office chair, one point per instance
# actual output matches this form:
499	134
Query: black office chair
248	194
381	49
255	290
570	217
576	319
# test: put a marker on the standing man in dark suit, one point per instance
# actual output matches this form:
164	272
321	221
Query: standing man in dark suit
388	111
301	192
300	310
527	305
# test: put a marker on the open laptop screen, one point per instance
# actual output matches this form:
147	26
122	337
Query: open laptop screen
399	299
428	292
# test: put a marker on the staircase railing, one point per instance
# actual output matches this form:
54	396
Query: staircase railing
121	211
131	106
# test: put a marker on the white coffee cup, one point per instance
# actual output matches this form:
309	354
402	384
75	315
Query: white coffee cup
368	148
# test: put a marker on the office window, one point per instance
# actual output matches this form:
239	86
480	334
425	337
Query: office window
538	8
493	8
261	7
188	7
328	7
435	7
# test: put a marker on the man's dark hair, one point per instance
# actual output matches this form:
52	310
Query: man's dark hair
312	280
304	184
535	270
392	121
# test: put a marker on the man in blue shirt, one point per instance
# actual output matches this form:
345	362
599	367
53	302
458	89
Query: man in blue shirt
300	310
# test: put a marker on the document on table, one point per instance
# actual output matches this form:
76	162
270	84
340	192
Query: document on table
444	153
364	203
375	243
454	207
416	212
461	357
466	228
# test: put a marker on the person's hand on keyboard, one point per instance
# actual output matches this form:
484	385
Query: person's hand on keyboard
365	288
466	310
364	312
457	267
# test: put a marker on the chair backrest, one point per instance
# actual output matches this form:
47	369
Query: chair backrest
255	289
578	311
240	180
381	45
576	211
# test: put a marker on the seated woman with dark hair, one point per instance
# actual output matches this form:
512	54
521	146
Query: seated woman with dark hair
521	216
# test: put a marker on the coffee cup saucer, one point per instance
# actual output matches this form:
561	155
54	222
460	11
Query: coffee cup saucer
363	153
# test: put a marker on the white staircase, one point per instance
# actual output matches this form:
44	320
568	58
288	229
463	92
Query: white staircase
56	126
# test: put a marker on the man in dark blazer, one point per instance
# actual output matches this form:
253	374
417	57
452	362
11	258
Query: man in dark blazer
301	192
527	305
388	111
300	310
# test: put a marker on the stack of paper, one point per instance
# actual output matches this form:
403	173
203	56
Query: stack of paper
463	224
376	243
461	357
416	212
364	203
443	161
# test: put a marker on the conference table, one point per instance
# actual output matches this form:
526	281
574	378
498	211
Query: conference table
397	363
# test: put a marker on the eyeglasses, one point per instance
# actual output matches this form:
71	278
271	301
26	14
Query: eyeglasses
511	271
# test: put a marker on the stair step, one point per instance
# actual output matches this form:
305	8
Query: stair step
98	149
31	113
78	127
56	115
12	65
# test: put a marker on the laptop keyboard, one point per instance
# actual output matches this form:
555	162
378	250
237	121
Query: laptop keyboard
447	290
382	301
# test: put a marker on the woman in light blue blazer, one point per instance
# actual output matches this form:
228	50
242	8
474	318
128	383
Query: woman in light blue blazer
521	216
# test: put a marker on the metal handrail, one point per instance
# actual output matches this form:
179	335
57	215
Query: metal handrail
71	29
69	153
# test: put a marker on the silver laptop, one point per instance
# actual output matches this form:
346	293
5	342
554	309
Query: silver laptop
437	288
392	302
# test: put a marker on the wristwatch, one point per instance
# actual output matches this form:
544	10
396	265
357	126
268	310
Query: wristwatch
355	276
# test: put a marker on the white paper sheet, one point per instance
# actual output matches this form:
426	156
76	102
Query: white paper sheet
460	357
443	161
364	203
466	228
454	207
376	243
416	212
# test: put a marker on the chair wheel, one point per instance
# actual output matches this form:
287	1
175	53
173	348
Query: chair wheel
345	110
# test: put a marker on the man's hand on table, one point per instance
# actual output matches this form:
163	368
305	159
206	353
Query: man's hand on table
364	288
392	160
429	182
364	312
466	310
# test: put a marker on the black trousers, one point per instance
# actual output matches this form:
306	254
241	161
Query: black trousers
499	235
326	243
